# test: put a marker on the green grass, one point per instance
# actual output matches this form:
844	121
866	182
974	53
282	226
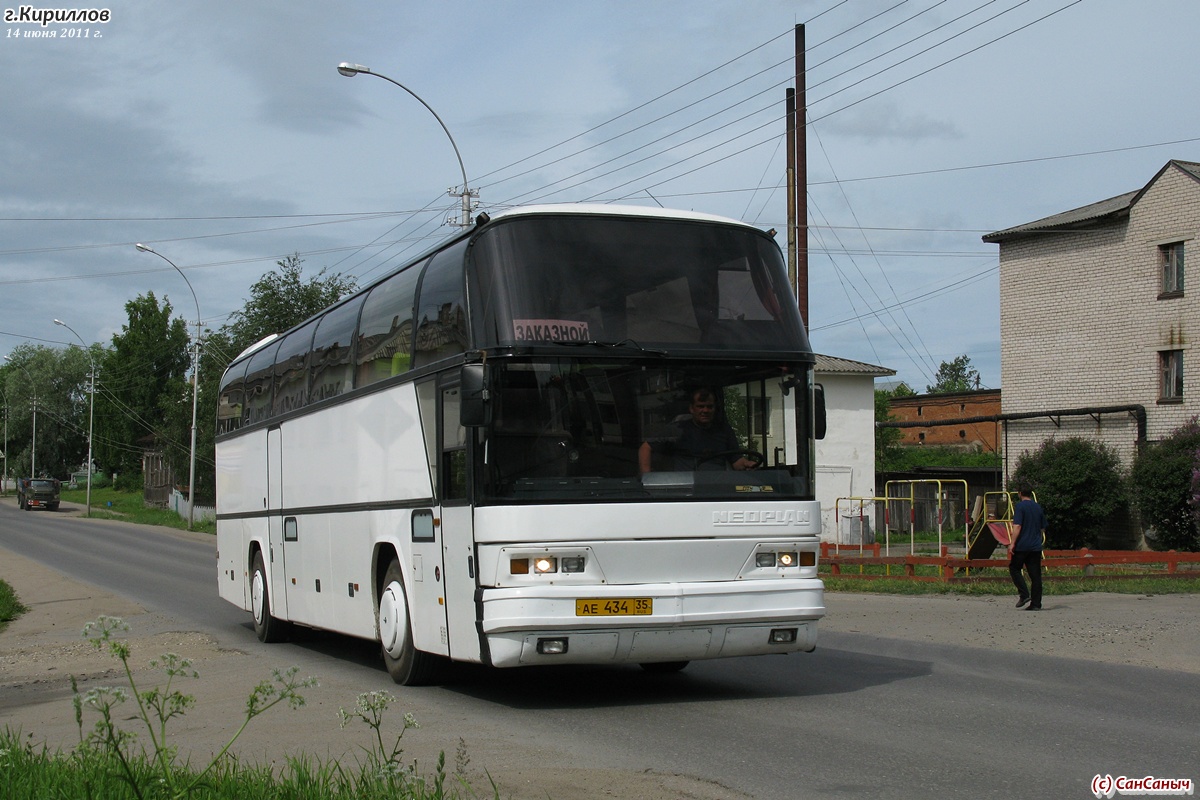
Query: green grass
30	772
109	503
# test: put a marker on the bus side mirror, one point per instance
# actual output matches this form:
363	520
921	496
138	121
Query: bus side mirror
474	410
819	420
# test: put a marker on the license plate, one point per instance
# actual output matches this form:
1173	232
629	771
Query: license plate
614	607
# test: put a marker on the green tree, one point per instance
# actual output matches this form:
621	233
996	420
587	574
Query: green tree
1080	485
281	299
955	376
143	384
57	380
1165	488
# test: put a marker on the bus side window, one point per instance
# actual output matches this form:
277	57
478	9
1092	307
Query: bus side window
442	310
260	375
384	343
232	399
331	371
291	371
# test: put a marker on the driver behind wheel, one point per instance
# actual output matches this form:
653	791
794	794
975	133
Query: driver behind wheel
702	442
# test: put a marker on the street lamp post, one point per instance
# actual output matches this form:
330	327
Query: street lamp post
350	70
91	412
33	445
195	377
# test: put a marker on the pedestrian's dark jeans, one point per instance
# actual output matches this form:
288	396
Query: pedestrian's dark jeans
1032	561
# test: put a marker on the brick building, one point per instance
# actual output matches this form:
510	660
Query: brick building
975	436
1096	318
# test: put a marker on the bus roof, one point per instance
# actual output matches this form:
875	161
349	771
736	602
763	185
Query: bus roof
618	210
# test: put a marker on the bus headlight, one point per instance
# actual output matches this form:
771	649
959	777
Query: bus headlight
523	565
786	558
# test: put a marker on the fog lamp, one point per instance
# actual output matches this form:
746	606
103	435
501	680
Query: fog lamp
553	647
572	563
782	636
545	564
787	559
764	559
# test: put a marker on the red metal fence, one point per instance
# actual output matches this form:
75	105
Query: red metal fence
1056	564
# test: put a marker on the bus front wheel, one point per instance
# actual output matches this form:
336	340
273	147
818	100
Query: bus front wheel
406	664
268	628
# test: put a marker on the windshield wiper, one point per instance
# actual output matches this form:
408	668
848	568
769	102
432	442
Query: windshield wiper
622	343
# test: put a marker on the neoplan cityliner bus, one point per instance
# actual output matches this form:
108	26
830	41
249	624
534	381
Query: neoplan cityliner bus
447	461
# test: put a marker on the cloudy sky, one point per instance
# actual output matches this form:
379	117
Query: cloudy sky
221	134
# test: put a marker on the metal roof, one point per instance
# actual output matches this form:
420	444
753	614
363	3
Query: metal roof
1085	216
844	366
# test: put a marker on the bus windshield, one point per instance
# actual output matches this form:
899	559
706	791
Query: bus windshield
581	429
668	284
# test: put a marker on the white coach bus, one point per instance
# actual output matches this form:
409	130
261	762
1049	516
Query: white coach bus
568	434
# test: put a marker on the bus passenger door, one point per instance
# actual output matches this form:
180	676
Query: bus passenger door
458	536
276	554
426	587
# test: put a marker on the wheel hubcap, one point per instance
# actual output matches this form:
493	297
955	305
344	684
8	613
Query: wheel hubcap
393	619
257	590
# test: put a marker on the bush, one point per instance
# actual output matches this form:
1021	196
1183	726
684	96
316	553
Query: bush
1079	485
129	482
1165	488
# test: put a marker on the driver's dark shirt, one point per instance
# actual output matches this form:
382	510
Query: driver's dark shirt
696	448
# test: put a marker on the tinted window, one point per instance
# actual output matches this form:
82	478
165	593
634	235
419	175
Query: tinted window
331	365
441	313
231	404
259	380
291	370
384	343
671	284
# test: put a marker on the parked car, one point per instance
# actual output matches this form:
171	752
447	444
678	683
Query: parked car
38	493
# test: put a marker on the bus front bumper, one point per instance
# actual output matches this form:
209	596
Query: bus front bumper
600	624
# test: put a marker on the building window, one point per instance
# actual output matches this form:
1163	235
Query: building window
1170	364
1170	257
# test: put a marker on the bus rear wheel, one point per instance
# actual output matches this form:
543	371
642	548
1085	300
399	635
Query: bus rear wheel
406	664
268	628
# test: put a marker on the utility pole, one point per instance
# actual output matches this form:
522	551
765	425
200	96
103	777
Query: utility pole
801	190
790	105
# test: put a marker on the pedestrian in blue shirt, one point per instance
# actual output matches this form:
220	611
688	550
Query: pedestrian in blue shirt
1025	549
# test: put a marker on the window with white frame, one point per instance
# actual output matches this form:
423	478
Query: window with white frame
760	416
1170	364
1170	257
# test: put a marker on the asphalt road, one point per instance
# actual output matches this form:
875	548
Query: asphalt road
863	716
